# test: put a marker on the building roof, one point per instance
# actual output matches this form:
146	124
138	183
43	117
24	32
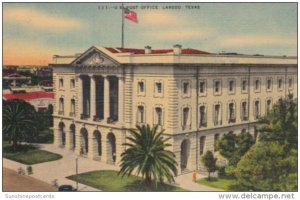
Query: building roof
29	96
154	51
169	56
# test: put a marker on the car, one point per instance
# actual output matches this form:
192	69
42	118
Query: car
66	188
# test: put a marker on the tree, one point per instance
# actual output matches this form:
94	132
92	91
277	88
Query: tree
233	147
209	162
18	121
147	155
281	125
266	167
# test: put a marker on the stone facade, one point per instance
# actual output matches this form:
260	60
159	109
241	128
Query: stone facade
100	94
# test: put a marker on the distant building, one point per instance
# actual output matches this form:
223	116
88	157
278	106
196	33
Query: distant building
16	79
195	96
41	100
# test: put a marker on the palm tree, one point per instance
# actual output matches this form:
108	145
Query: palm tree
18	121
147	156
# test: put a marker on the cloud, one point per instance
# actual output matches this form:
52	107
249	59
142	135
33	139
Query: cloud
39	20
258	40
160	18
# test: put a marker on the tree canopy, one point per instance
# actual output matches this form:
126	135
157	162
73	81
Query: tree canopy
146	154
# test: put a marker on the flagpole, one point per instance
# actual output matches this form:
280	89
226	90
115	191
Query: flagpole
122	45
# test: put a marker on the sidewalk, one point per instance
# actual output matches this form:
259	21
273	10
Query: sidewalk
66	166
185	181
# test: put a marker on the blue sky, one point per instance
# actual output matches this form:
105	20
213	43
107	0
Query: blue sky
33	32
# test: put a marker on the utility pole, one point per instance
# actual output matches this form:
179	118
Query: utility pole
77	173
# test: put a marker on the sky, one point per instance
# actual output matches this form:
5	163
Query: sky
34	32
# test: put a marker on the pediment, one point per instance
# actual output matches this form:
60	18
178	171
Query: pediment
94	57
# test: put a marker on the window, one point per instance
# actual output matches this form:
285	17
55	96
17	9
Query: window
72	113
217	87
244	111
268	106
185	117
216	138
280	84
231	86
141	114
158	112
257	85
290	83
203	122
269	84
61	106
141	88
256	110
72	83
231	110
158	87
61	83
202	144
217	117
244	86
186	87
202	87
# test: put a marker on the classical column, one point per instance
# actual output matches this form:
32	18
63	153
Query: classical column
121	100
93	97
106	98
80	96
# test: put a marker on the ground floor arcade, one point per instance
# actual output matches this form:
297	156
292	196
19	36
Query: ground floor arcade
105	144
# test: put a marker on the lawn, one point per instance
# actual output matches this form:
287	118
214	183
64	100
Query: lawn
222	183
109	181
28	154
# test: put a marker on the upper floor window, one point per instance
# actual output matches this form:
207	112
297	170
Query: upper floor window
158	116
203	113
141	114
244	86
202	87
141	87
186	86
72	83
231	86
158	87
61	106
269	84
217	87
185	117
61	83
72	113
257	85
280	84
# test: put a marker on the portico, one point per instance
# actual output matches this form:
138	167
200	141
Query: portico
101	98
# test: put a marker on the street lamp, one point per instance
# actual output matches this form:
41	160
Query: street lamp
77	173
